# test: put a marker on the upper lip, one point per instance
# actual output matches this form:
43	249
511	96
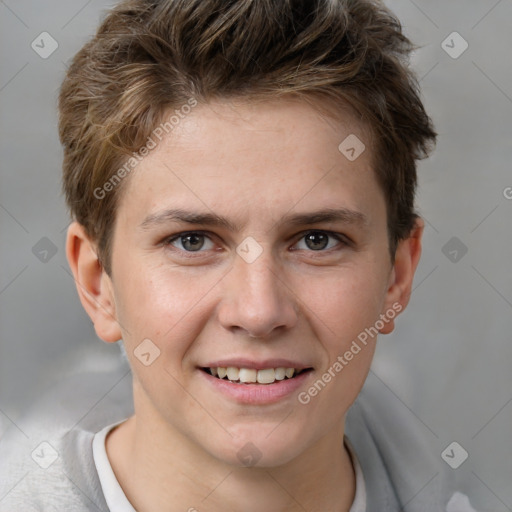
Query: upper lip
256	365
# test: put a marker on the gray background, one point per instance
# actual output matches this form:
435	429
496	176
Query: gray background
449	359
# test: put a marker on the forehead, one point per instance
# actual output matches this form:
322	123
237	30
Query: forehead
271	156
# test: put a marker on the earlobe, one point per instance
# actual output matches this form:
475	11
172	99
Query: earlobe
93	284
399	290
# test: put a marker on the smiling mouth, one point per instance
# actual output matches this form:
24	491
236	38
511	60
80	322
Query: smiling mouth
253	376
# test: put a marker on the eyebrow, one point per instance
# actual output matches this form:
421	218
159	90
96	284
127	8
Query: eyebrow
342	215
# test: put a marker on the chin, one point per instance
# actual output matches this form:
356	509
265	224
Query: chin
255	446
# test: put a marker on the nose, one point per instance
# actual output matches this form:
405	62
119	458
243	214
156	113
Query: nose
255	300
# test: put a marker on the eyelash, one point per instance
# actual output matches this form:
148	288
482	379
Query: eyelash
194	254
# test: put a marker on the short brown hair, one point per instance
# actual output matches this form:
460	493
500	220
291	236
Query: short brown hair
149	56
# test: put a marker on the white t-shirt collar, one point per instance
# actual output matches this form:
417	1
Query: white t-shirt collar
118	502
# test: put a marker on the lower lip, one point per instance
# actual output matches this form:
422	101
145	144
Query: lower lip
257	394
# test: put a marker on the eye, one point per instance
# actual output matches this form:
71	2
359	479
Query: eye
192	241
319	240
199	242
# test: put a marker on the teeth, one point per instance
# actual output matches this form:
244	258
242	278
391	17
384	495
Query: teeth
250	375
247	375
232	373
289	372
280	373
266	376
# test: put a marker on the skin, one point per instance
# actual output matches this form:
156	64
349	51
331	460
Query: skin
254	164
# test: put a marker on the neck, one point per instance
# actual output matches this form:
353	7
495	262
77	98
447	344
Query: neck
159	468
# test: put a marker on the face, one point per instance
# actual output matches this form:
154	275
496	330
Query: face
248	240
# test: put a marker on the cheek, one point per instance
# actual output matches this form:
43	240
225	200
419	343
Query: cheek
342	302
162	304
342	309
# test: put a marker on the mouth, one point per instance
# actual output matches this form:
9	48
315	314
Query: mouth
249	382
263	376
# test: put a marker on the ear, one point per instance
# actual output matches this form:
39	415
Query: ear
93	284
399	289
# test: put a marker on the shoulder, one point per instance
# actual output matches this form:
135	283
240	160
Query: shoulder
398	453
50	476
47	459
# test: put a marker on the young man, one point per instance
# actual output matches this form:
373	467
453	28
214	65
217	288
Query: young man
241	177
